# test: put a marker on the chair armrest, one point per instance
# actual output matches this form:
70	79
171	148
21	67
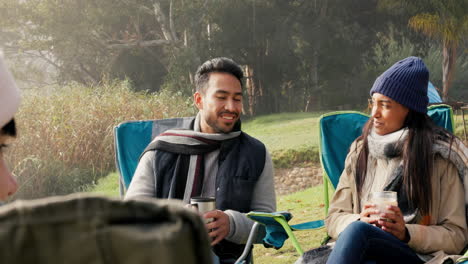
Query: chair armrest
278	229
463	259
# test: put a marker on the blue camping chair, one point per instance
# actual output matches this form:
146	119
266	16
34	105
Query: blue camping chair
131	138
337	131
334	145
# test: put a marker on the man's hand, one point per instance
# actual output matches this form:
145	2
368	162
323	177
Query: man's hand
369	208
395	224
218	229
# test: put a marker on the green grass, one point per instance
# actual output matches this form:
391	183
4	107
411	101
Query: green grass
108	186
459	129
285	131
305	206
291	138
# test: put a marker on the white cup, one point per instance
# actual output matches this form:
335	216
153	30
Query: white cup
382	200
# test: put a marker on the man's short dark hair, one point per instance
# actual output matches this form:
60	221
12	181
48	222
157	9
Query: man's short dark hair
9	129
221	64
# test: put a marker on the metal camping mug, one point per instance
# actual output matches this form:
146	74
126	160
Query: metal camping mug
203	205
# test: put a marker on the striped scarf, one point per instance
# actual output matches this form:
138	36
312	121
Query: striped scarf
195	144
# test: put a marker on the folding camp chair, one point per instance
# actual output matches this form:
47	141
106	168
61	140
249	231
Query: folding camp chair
337	131
334	144
464	259
131	138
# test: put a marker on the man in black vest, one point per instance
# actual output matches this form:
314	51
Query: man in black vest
212	157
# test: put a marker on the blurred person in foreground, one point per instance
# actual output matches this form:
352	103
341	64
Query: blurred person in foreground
9	102
85	228
212	157
401	150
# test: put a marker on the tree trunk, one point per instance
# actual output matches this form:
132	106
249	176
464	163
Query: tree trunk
162	20
448	67
315	73
251	90
320	12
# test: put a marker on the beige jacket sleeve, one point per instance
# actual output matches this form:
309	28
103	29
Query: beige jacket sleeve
447	230
344	208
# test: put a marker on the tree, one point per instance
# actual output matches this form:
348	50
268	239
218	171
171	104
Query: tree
448	29
89	40
299	55
445	21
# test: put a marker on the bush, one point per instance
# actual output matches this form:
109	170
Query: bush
66	133
459	127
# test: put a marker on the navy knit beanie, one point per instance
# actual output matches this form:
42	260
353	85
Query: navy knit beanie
406	83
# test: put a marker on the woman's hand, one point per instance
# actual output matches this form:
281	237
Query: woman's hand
369	208
393	223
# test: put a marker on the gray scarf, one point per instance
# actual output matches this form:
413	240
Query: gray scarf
193	143
389	147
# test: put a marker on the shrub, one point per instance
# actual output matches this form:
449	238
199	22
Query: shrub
66	133
459	127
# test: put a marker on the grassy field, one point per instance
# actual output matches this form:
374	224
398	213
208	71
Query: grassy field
291	138
305	206
285	131
108	186
459	129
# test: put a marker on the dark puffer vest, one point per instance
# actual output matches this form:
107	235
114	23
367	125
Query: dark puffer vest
240	163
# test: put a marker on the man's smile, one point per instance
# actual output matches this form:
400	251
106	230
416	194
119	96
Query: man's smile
228	116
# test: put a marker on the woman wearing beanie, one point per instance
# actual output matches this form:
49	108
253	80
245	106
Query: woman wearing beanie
401	150
9	102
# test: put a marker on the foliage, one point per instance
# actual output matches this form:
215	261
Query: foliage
461	127
299	55
433	61
394	46
390	48
444	21
447	22
178	79
66	134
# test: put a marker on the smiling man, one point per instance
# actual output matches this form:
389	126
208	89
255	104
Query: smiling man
212	157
